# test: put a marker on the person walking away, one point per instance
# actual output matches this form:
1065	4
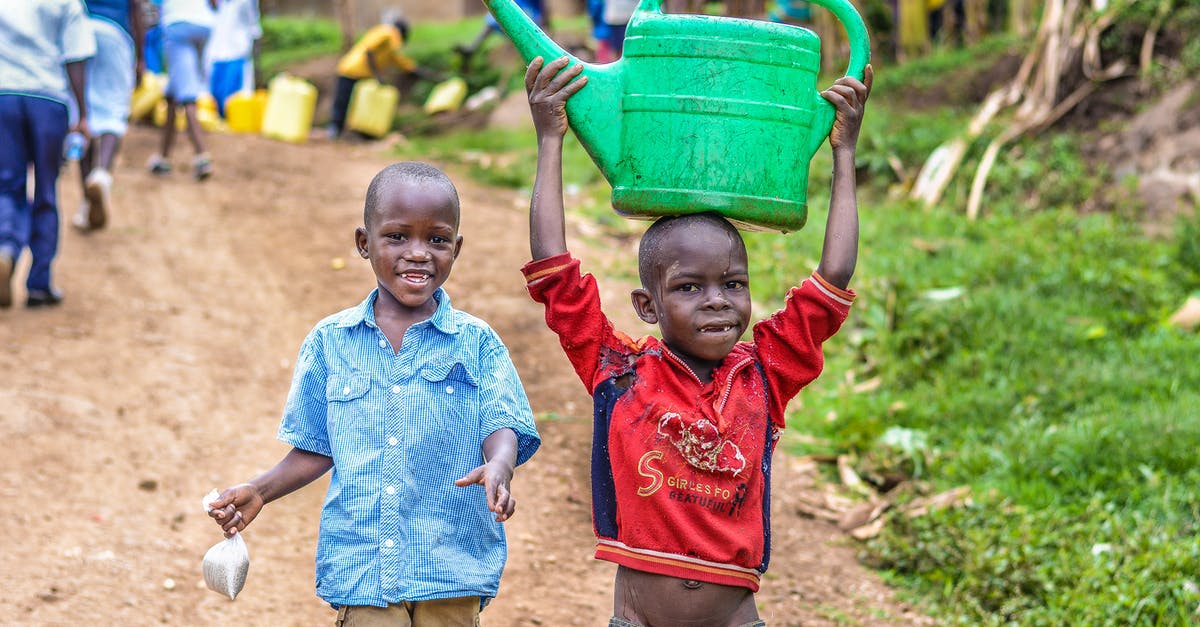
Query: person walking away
685	426
186	27
376	53
38	38
419	412
229	57
111	76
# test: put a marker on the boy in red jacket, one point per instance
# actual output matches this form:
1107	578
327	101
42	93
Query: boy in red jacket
685	426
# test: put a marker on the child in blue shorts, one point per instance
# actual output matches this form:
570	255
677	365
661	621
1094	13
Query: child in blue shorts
411	403
186	27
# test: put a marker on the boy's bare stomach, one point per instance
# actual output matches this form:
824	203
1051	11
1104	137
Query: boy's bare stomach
662	601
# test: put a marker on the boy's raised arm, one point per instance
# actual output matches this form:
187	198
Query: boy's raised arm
839	254
549	86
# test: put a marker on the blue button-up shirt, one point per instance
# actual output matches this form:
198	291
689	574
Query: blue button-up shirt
400	429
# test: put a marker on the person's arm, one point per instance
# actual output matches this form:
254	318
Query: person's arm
239	505
373	65
839	254
77	74
496	472
548	95
137	28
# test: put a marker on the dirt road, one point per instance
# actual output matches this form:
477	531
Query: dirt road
164	372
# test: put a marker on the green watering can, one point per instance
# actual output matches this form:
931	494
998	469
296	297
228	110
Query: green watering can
703	113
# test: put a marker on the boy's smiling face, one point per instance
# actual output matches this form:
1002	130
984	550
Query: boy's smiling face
699	293
411	240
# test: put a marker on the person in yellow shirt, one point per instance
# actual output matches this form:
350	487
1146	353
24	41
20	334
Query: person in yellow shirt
375	54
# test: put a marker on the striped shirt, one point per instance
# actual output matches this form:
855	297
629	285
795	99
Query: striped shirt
400	429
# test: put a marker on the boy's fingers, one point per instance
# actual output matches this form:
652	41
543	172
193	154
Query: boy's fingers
574	86
835	98
471	478
531	73
868	77
564	77
549	71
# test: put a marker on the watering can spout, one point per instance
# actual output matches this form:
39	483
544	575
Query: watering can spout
595	111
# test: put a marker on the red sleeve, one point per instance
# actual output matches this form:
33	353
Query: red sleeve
572	301
789	342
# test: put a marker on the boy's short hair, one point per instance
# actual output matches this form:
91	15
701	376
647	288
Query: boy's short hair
650	249
414	172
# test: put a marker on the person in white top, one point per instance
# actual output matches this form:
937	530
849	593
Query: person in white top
187	25
229	57
38	38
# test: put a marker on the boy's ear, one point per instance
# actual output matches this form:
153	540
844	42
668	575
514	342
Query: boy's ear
643	305
360	242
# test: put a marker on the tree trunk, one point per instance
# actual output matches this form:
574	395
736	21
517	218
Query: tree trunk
346	13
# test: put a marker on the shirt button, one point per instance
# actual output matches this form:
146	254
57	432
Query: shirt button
382	343
346	390
395	389
391	489
449	389
393	441
388	543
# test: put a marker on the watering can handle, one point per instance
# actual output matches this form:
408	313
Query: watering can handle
856	32
843	10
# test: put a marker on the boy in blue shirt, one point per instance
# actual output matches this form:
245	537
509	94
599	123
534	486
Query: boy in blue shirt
400	396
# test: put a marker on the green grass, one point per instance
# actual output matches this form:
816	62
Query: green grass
1029	349
288	40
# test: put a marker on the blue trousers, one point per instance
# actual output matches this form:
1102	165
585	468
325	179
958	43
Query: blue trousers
32	131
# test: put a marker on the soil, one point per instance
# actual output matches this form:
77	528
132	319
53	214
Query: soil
164	372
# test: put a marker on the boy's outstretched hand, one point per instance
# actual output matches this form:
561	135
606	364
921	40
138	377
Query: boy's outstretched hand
849	96
236	508
549	86
495	477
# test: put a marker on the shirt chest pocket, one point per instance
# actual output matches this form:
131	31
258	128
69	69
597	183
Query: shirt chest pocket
345	396
454	392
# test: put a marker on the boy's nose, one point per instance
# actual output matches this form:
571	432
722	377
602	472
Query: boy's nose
715	299
417	252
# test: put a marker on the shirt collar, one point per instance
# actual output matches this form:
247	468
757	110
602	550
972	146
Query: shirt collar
364	313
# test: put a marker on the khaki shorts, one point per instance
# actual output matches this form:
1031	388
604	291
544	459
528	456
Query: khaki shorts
457	612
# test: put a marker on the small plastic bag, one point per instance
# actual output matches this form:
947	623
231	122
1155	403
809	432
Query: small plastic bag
227	562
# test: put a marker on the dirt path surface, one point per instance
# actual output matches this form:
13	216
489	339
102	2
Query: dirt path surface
164	372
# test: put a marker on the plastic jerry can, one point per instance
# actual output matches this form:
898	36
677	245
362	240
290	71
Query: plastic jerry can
147	95
289	110
372	108
244	111
447	95
206	114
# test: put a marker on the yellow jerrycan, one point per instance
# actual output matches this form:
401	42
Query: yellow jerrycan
206	114
146	96
244	111
289	110
372	108
447	95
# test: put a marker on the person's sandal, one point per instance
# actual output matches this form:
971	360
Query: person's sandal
202	166
158	165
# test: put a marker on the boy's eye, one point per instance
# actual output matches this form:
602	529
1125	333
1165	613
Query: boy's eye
688	287
396	236
735	285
